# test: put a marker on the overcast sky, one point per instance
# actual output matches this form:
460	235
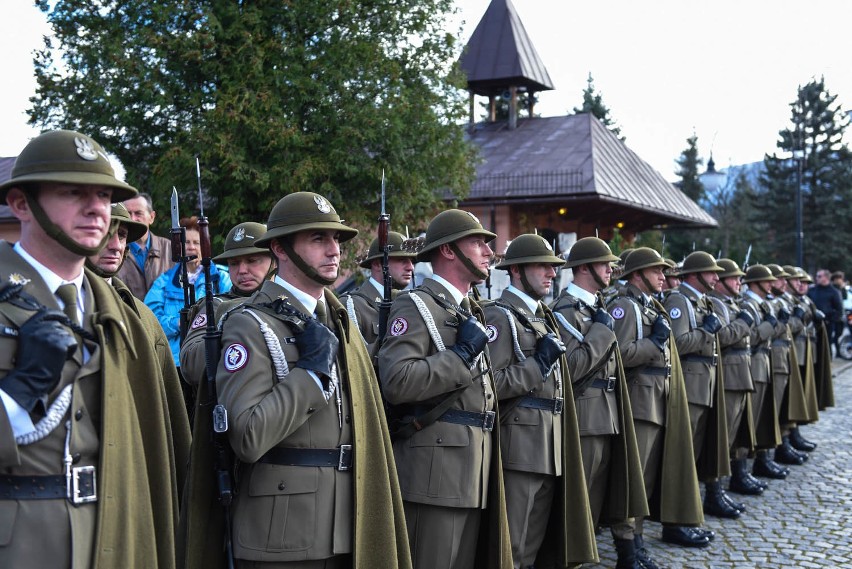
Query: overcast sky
726	70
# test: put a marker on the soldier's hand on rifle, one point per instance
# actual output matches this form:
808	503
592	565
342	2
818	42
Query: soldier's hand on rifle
660	332
601	316
317	347
470	341
783	316
44	344
745	317
798	312
547	352
711	323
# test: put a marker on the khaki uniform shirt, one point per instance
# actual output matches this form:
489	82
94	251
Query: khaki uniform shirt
282	512
531	439
735	343
696	347
444	464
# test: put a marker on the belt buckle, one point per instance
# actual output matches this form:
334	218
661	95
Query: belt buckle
610	383
83	485
558	403
345	460
488	422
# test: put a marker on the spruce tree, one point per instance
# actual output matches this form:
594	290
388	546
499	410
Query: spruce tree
593	103
680	241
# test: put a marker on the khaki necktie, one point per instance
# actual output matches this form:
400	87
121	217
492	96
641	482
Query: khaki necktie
539	311
465	305
322	315
67	293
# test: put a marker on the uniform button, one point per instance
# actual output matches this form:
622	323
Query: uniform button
75	458
517	419
348	419
78	415
440	440
281	486
311	410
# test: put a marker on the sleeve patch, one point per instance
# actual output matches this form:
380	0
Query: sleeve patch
617	313
236	357
200	321
492	332
399	326
675	313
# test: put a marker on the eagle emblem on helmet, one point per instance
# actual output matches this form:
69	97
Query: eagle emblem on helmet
85	150
239	234
322	204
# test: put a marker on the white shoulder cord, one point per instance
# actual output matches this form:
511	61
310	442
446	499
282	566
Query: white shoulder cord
350	310
518	353
279	361
429	321
567	325
50	421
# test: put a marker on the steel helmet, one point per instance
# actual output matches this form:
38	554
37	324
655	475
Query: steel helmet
731	268
135	229
758	273
529	248
794	272
700	262
590	250
66	157
777	271
241	240
395	241
301	211
643	258
448	226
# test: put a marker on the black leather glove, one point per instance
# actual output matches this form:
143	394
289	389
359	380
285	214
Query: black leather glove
547	352
44	345
470	341
711	323
819	315
783	316
602	317
317	347
745	317
798	312
660	331
771	319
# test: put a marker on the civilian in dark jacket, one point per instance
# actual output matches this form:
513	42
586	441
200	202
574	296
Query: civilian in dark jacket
827	298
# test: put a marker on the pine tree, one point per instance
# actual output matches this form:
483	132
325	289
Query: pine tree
593	103
681	241
811	156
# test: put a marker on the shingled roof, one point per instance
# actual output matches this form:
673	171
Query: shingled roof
575	161
500	53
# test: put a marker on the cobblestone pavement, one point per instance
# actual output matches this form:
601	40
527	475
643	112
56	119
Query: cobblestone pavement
802	521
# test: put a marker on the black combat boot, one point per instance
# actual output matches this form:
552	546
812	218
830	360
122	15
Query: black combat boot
786	454
715	503
682	535
799	442
626	551
643	560
768	468
741	482
731	502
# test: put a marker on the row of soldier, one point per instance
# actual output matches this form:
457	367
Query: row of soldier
450	443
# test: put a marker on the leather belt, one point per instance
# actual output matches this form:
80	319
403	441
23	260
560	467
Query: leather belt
710	360
79	487
338	458
607	384
655	370
761	350
553	405
780	342
484	421
736	352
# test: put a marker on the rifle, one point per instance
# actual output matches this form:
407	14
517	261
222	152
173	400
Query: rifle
222	459
387	281
178	236
747	257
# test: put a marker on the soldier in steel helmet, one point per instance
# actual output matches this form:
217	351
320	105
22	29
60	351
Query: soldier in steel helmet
437	378
540	443
805	347
304	412
696	325
362	304
611	462
658	402
735	344
758	279
786	379
672	277
78	481
249	266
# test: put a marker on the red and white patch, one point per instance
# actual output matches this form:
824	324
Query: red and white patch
617	313
200	320
399	326
492	332
236	357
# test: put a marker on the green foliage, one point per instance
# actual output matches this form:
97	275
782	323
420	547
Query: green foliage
822	167
593	103
274	97
680	242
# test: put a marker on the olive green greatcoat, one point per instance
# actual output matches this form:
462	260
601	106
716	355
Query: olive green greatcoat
380	536
140	446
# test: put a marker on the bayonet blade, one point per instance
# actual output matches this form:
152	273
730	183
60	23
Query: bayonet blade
174	209
200	195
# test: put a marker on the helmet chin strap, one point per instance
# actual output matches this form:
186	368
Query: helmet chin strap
477	272
525	283
596	277
53	231
647	283
729	289
309	271
704	283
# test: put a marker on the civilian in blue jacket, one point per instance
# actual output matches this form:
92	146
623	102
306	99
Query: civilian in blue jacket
165	298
